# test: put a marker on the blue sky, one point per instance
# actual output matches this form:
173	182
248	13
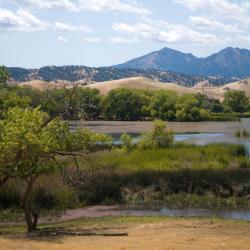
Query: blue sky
34	33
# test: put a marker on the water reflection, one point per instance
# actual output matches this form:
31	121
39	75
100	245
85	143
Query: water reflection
234	215
200	139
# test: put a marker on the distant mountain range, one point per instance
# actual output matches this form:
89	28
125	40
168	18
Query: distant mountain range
229	63
88	74
165	65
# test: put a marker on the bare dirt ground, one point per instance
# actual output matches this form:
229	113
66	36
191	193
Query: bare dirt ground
166	234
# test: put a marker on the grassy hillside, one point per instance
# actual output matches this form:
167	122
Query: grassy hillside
42	85
145	83
218	92
139	83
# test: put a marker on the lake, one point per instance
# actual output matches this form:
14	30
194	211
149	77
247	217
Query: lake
188	213
199	133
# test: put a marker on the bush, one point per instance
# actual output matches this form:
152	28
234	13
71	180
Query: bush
244	163
127	142
160	137
10	196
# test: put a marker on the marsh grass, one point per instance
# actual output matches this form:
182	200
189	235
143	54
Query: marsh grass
155	175
214	156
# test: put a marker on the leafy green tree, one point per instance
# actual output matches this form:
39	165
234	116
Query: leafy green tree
31	142
189	110
4	76
27	147
163	104
71	103
9	99
237	101
123	104
87	140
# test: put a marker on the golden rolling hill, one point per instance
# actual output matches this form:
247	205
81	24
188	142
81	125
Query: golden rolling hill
218	92
139	83
42	85
148	84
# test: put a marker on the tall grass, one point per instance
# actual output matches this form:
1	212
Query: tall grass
215	156
148	176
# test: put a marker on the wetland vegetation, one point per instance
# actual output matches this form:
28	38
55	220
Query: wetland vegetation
46	167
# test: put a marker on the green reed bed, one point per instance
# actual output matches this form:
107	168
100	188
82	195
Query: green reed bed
180	176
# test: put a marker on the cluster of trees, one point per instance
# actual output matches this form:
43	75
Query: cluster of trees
125	104
33	142
122	104
129	104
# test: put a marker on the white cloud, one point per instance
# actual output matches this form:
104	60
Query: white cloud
213	24
165	32
62	39
223	9
58	26
49	4
21	20
115	6
218	6
118	39
92	39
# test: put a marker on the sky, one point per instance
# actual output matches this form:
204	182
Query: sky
35	33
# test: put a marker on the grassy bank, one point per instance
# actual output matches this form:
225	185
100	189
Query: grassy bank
119	222
213	176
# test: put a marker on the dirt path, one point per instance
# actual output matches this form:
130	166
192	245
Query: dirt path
168	234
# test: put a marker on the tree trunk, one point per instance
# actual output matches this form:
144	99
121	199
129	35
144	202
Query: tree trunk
3	180
31	217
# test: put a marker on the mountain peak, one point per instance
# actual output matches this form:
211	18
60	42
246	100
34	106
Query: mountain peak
229	62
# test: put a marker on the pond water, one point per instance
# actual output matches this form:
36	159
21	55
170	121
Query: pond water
234	215
208	138
200	139
198	133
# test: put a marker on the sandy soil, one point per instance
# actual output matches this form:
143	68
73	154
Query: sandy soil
168	234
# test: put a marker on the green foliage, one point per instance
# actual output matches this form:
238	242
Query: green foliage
237	101
220	117
87	140
127	142
4	76
25	143
244	163
242	134
9	99
70	103
214	156
124	104
155	175
188	109
160	137
57	199
163	104
238	134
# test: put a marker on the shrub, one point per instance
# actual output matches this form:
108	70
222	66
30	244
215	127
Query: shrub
127	142
160	137
244	163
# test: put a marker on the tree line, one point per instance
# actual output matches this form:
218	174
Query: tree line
126	104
